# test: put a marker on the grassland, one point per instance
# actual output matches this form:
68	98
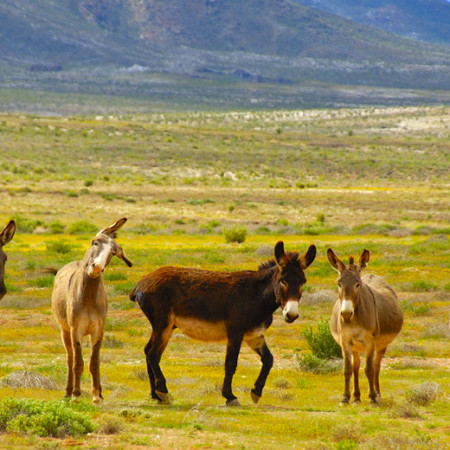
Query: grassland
349	179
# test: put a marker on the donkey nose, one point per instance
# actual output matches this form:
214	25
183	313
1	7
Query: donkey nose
290	311
347	316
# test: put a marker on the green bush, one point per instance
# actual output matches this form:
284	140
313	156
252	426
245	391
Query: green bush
311	363
81	227
321	342
53	419
25	225
56	228
62	247
236	233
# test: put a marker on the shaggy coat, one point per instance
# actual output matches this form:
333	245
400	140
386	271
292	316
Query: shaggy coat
220	306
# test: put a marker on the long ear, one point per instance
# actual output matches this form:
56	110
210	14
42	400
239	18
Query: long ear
364	259
8	232
335	261
121	254
280	254
111	230
308	257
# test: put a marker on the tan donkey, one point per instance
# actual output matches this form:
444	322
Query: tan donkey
80	305
366	318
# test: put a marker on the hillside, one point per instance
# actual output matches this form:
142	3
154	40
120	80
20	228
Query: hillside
425	20
234	54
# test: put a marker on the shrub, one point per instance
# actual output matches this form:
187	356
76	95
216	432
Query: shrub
62	247
236	233
25	225
310	363
81	227
56	228
423	395
321	342
52	419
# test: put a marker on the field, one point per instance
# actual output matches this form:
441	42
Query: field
350	179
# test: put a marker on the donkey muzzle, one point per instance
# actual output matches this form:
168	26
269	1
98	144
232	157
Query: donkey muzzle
347	310
290	311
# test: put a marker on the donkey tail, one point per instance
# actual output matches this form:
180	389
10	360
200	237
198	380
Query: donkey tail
50	270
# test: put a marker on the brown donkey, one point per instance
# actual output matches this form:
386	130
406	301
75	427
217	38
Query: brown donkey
5	236
220	306
366	318
80	306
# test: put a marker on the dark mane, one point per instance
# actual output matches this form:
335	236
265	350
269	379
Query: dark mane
290	256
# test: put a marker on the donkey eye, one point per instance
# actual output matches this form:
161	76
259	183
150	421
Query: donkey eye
284	284
357	286
95	244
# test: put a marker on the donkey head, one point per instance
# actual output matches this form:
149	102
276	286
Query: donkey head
5	236
103	248
349	282
291	278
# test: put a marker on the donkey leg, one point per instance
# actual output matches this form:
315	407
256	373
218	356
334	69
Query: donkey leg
94	368
356	365
370	372
231	359
377	367
155	348
69	351
78	366
348	370
260	347
151	376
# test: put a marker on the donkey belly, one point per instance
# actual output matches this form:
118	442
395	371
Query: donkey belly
201	330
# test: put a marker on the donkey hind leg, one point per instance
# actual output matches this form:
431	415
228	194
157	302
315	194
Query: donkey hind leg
377	366
260	347
356	362
78	365
94	368
69	351
231	359
154	350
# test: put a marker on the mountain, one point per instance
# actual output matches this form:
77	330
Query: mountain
218	53
425	20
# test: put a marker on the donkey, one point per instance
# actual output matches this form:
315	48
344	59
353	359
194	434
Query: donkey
79	306
220	306
366	318
5	236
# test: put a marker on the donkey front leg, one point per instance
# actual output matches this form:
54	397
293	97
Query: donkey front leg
94	368
78	365
260	347
67	340
347	355
370	374
231	359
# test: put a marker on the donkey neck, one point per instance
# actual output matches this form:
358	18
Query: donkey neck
366	310
268	279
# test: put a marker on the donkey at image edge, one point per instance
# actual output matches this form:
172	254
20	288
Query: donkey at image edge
5	236
80	305
211	306
366	318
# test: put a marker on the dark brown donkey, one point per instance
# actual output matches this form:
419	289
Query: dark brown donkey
79	306
5	236
220	306
366	318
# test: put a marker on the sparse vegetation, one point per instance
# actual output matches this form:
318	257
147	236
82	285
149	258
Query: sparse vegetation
342	189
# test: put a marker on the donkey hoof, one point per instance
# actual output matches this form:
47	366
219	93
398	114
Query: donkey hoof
343	402
75	399
163	398
234	402
255	397
97	401
356	401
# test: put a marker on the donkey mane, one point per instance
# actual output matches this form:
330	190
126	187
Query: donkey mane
291	256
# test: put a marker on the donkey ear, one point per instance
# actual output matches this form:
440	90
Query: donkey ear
8	232
335	261
121	254
280	254
308	257
364	259
111	230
